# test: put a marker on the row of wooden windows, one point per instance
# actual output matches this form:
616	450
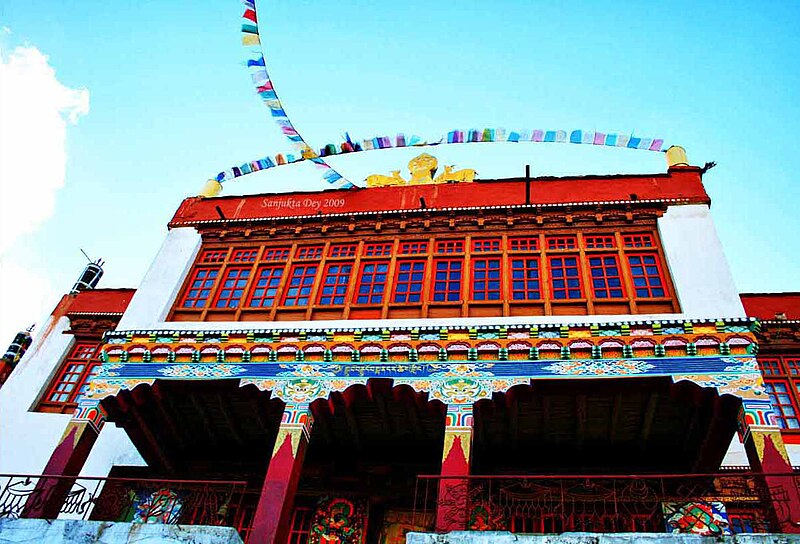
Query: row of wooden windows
782	382
498	269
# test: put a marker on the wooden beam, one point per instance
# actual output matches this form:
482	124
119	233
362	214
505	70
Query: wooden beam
647	420
161	403
256	409
152	441
710	438
410	402
198	407
545	416
513	421
231	422
616	414
580	416
377	396
692	429
322	422
341	409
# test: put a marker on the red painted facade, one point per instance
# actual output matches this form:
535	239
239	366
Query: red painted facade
682	183
769	305
112	301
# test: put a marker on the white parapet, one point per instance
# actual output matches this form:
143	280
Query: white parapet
153	299
700	272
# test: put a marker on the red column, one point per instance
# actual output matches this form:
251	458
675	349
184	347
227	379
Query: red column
274	510
66	460
452	501
767	455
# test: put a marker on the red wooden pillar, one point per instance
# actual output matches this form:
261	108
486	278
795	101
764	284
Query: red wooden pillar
452	501
767	455
66	460
274	510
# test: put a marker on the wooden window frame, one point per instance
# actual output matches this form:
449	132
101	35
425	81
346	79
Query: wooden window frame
276	254
413	247
398	281
449	246
245	255
647	276
90	365
274	268
599	241
523	243
638	240
342	250
566	288
309	252
356	294
377	249
303	277
526	290
770	366
605	277
213	256
475	281
487	245
300	525
223	289
778	407
330	299
447	281
189	288
561	242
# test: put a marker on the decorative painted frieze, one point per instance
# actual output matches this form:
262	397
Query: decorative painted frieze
456	365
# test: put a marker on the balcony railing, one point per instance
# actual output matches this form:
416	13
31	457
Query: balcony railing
185	502
710	504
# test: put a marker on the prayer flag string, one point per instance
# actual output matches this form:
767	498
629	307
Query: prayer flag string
452	137
257	65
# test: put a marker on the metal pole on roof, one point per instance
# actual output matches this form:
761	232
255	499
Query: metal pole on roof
527	184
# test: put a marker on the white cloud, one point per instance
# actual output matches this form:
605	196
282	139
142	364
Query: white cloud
35	109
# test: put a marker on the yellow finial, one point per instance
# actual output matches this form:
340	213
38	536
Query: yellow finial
676	156
211	189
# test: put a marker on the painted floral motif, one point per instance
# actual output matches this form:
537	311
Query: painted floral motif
460	390
102	388
302	390
202	371
741	364
309	370
740	385
448	370
107	370
599	368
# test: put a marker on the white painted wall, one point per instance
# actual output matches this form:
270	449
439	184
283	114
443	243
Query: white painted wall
794	454
697	263
736	455
153	299
28	438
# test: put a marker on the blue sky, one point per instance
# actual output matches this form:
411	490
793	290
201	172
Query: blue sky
170	104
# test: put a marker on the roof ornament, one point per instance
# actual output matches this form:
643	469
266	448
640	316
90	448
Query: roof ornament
423	170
